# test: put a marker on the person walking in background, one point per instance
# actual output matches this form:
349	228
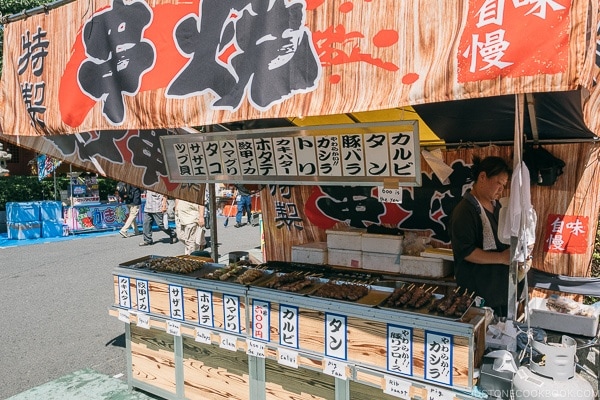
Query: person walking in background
156	206
244	204
133	199
189	222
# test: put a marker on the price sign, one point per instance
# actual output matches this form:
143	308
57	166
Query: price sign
255	348
174	328
124	316
228	342
287	357
397	387
389	195
335	368
439	394
203	336
143	321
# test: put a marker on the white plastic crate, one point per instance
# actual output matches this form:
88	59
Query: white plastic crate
312	253
541	317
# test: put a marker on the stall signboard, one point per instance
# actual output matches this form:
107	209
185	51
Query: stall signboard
337	155
94	217
66	70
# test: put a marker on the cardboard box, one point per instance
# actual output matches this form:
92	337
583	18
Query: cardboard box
541	317
407	265
347	239
377	243
312	253
345	258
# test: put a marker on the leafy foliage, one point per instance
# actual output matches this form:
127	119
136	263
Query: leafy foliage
29	188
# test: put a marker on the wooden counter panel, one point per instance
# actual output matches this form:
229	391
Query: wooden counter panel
152	358
359	391
285	383
214	373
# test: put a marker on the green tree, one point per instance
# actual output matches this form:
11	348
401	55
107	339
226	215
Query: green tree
10	7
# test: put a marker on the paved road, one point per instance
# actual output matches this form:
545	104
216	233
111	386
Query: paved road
54	301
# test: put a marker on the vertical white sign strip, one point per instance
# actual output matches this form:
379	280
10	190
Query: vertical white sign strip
329	155
176	302
247	155
265	157
183	159
261	320
402	154
306	155
197	159
205	309
143	295
377	157
285	156
213	158
438	357
399	349
336	336
124	292
288	326
230	158
353	155
231	313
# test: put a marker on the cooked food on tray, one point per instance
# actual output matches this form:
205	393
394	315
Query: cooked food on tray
342	291
290	282
223	274
249	276
174	264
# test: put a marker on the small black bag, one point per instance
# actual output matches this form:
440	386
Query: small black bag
544	168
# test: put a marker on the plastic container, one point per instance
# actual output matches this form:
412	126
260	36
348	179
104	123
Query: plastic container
24	230
52	229
23	212
541	317
311	253
51	211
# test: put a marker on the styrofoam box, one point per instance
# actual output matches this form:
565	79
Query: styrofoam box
344	258
407	265
541	317
377	243
347	239
24	230
312	253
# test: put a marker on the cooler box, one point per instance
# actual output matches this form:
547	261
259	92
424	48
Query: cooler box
311	253
378	243
344	258
51	211
23	230
23	212
52	229
407	265
346	239
541	317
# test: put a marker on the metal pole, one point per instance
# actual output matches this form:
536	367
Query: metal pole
212	209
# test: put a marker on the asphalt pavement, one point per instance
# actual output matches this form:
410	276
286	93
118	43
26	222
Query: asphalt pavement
54	301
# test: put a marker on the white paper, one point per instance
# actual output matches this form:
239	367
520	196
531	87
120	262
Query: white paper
124	316
255	348
397	387
228	342
174	328
203	336
334	368
143	321
288	358
389	195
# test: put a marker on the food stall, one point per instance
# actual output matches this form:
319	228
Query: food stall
358	90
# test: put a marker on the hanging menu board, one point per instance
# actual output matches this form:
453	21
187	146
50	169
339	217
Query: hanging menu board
369	154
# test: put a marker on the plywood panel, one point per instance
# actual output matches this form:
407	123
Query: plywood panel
152	358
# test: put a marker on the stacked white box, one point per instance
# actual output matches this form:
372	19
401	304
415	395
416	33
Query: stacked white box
311	253
345	258
377	243
428	267
541	317
346	239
